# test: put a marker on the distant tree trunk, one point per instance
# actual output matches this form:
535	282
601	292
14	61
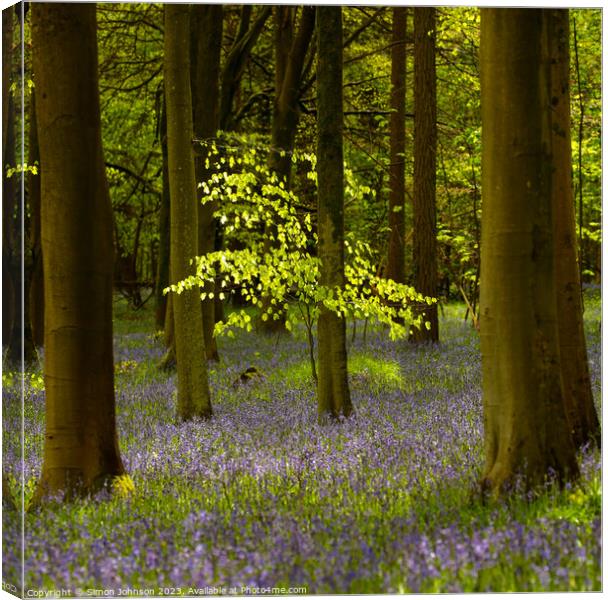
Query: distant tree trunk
526	431
332	388
193	398
395	266
578	397
8	183
164	224
9	258
81	449
290	54
235	62
7	61
207	25
36	287
425	157
232	71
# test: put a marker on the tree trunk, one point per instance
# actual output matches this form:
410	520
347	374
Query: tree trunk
425	156
395	266
332	388
290	54
8	184
7	61
81	448
36	287
193	398
9	260
207	24
578	397
526	432
235	62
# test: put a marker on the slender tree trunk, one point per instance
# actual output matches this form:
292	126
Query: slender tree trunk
207	25
578	397
81	448
36	287
526	431
395	266
9	253
332	387
193	398
235	62
8	183
7	61
425	157
290	54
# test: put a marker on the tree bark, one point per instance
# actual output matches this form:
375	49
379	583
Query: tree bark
81	448
526	432
207	25
395	265
425	157
193	398
36	285
332	387
578	397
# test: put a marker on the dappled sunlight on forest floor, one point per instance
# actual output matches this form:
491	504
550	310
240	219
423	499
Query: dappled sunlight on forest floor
262	496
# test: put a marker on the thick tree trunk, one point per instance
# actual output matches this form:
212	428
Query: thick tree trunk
395	265
526	432
193	398
425	157
207	25
332	387
81	448
36	287
578	397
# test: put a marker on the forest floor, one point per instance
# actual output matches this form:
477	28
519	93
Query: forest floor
263	497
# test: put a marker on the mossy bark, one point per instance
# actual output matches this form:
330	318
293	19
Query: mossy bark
332	387
578	396
425	164
193	398
526	432
81	451
206	30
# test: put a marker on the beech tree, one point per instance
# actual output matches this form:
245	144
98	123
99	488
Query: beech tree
526	429
81	448
193	398
425	159
578	397
332	386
